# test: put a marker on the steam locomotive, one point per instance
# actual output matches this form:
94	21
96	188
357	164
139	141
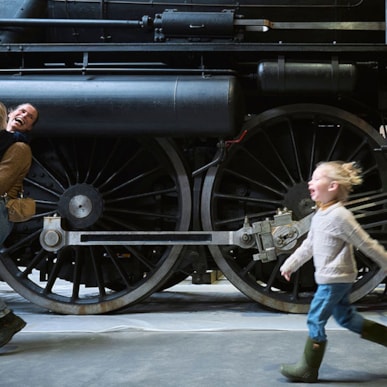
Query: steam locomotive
176	138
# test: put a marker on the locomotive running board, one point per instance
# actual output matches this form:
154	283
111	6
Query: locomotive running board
269	237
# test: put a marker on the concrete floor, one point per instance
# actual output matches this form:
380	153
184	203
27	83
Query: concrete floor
187	336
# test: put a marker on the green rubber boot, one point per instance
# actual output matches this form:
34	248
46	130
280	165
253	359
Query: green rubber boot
306	370
375	332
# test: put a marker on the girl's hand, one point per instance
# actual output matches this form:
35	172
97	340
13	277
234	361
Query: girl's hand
286	274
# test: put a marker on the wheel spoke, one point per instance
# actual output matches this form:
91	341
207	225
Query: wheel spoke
278	156
98	274
295	151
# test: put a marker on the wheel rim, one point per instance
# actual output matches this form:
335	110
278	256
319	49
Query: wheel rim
269	169
98	184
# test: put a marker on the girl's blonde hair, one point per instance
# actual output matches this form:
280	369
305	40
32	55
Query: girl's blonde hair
345	174
3	116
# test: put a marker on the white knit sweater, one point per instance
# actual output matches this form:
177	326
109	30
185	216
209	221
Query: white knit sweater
332	234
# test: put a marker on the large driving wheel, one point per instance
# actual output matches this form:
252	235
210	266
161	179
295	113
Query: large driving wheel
269	169
98	184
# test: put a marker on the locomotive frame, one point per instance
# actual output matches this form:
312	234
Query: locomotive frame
188	117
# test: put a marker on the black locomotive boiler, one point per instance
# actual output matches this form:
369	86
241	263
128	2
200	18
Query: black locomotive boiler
167	124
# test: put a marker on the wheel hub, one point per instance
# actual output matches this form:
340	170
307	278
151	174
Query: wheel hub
81	205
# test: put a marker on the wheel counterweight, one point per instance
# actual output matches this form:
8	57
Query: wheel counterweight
269	169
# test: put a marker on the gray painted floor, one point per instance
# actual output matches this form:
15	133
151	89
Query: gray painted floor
187	336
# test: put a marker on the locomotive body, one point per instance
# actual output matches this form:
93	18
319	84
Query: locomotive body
188	116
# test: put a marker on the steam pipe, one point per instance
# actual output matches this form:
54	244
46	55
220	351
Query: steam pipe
35	22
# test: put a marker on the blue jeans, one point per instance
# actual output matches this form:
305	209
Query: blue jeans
5	229
332	300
